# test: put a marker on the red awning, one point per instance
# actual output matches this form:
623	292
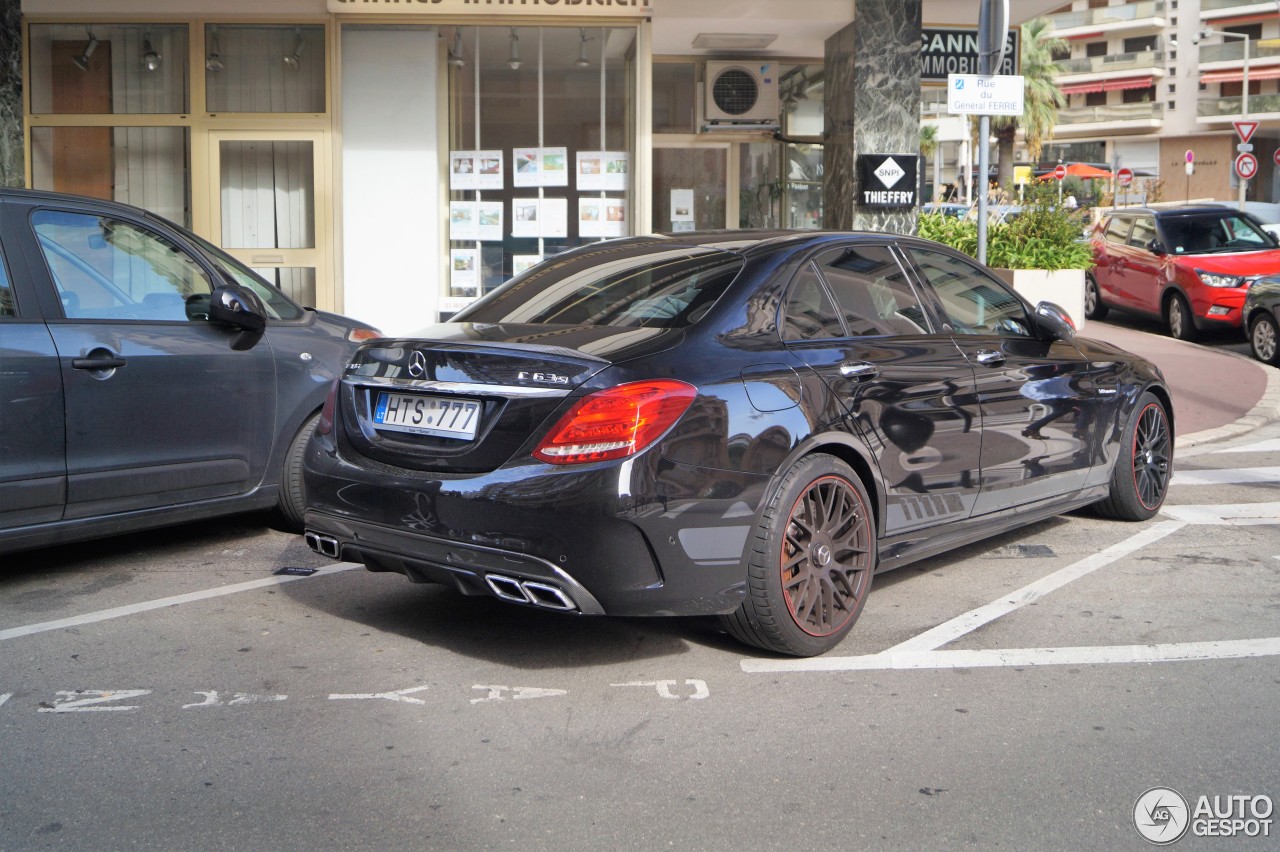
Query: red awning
1108	85
1080	170
1236	75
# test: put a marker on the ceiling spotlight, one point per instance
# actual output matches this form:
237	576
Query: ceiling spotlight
582	61
456	57
150	59
82	61
213	62
513	61
291	61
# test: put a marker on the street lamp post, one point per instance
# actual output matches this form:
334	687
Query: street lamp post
1244	93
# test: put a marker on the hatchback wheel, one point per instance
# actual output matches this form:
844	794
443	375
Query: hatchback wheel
293	502
1177	314
1093	307
1263	334
1144	465
811	562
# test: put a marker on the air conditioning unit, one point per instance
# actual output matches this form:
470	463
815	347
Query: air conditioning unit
741	92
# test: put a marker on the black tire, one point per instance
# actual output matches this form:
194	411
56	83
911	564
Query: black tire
1264	339
1144	464
1094	309
293	495
1179	319
812	559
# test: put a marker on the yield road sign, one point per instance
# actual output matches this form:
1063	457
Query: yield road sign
1245	129
1246	166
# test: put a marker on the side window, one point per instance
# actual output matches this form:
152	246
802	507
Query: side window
1144	231
1118	230
808	313
872	291
973	302
7	306
106	268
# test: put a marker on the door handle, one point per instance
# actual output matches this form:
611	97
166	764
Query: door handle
107	362
859	371
990	358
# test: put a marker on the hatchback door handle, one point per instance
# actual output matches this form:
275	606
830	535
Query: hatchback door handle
108	362
861	370
990	358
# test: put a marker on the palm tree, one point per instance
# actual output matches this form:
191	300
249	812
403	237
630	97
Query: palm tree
928	145
1041	97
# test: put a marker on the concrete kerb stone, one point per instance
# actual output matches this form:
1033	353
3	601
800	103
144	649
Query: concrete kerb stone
1267	410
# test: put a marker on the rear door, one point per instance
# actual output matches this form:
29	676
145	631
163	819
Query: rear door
1138	278
852	315
159	409
33	481
1039	408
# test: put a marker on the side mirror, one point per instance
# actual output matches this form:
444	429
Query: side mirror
241	310
1156	247
1054	323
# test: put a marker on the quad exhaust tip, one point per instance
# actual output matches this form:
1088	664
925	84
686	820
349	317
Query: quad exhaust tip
323	544
531	592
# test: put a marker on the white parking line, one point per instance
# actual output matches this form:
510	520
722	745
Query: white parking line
133	609
921	651
1224	514
1237	475
1165	653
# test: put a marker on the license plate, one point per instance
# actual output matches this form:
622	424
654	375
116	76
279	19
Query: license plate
427	415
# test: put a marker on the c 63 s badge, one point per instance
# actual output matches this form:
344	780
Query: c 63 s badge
545	378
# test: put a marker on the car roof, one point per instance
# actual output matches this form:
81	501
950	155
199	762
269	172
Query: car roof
1180	210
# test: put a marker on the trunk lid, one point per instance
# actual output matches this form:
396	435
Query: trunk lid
465	397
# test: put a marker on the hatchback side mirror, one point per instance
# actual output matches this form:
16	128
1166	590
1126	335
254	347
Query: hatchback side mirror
1156	247
1054	323
241	310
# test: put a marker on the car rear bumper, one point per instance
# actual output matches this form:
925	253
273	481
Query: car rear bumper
644	536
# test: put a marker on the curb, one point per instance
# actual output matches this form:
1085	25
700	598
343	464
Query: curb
1267	410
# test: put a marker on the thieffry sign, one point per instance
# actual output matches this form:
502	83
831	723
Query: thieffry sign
971	94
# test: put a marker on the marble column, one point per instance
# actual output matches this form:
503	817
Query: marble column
12	168
872	106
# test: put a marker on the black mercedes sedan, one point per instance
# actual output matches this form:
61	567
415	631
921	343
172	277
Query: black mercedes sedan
742	424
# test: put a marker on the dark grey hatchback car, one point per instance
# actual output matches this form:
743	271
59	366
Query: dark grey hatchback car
146	377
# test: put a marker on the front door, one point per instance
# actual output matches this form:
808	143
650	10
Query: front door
269	211
159	408
1040	410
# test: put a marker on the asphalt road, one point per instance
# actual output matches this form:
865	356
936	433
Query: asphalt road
170	691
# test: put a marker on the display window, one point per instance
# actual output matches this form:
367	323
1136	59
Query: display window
541	154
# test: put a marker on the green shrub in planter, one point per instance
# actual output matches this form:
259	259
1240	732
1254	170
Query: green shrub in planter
1042	236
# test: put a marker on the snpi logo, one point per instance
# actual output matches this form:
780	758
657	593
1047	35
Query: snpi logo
1161	816
889	172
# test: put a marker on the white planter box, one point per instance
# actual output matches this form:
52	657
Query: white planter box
1063	287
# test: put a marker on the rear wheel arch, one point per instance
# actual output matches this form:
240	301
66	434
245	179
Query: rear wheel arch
857	458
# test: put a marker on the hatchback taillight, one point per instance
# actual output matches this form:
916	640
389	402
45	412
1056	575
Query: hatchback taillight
615	423
325	424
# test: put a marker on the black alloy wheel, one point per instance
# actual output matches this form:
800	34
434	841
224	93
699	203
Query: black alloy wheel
1264	339
1093	307
1144	465
1177	315
812	561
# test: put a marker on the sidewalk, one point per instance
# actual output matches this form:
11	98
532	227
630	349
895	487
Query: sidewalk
1217	394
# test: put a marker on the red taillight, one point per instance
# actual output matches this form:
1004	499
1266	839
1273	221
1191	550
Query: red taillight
615	423
325	424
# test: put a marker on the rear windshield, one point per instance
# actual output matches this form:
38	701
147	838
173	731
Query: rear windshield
655	290
1207	233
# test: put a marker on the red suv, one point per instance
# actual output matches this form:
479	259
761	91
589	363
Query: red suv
1189	266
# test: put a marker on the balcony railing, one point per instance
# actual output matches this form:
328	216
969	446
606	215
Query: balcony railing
1233	51
1108	15
1114	113
1224	107
1220	5
1143	60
